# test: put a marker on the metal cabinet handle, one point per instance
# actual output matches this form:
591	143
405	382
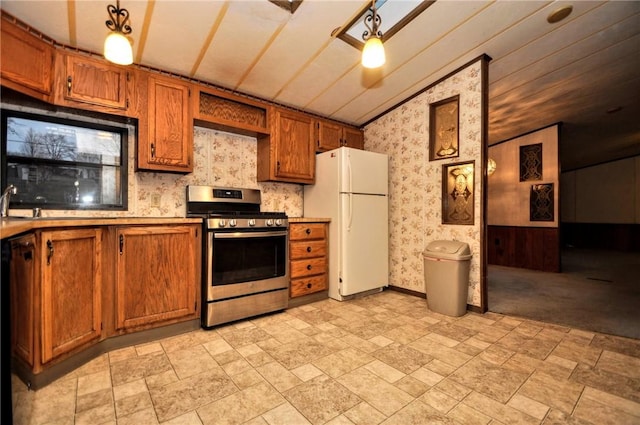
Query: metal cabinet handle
153	150
308	231
49	251
308	249
69	85
308	266
309	285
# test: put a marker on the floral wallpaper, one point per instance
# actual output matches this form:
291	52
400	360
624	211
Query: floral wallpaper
415	183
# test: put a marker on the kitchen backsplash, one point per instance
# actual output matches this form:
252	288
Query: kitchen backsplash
221	159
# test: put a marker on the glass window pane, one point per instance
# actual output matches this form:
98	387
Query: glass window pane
38	139
64	164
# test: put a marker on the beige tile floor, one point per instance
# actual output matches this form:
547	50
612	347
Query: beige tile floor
382	359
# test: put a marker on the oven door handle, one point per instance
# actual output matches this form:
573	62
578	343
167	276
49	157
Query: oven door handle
232	235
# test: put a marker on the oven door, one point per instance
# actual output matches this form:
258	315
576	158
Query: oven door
236	258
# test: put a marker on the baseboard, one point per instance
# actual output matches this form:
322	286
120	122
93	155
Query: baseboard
473	308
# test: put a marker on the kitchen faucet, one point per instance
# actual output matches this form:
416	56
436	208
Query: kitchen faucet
4	200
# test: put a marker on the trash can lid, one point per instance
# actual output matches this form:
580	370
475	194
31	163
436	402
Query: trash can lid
454	250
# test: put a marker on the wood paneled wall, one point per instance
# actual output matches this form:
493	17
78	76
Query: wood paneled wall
612	236
536	248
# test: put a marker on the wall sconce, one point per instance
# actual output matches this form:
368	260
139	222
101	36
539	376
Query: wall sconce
373	52
117	47
491	166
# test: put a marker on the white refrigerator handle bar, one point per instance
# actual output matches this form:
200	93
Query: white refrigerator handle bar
350	193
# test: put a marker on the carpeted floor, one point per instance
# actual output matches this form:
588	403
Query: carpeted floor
597	291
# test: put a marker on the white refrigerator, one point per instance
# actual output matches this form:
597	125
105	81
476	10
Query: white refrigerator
352	190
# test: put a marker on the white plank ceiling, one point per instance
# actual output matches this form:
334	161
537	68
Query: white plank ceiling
572	72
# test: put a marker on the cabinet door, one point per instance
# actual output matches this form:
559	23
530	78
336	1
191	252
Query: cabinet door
353	138
157	275
27	62
170	127
22	280
71	277
294	148
328	136
94	82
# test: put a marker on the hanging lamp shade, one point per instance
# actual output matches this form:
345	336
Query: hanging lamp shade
373	53
117	49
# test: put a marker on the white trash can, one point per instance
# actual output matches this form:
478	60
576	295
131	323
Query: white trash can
446	275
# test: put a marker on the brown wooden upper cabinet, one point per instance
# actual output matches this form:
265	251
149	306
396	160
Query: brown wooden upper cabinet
165	133
330	135
228	112
288	154
27	62
91	83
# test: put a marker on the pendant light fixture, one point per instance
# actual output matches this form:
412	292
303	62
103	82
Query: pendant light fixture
373	51
117	47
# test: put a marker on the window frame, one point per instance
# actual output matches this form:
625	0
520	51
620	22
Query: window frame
123	131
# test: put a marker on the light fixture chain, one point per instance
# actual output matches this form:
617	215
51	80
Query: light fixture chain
119	19
372	21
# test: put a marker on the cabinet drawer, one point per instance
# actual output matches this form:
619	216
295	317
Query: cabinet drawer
308	285
310	267
308	249
306	231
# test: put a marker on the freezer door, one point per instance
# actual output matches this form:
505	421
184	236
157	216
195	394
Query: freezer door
364	172
364	241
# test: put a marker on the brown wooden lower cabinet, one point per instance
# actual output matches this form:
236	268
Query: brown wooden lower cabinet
55	294
70	283
308	248
22	279
75	287
156	270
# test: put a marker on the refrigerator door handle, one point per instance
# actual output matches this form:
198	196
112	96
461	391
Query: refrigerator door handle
350	190
350	212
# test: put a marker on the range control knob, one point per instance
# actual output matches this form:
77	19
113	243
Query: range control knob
269	222
232	222
252	222
278	222
221	223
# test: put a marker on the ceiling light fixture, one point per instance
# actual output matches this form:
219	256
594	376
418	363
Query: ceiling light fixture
559	14
117	47
373	52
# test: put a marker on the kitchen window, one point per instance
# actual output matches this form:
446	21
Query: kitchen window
63	164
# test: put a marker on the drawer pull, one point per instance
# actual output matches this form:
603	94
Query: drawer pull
309	285
308	231
308	249
308	266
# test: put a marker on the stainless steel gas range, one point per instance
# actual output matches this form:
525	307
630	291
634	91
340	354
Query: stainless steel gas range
245	257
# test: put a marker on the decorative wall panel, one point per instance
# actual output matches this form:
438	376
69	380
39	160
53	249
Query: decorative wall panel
541	204
531	162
